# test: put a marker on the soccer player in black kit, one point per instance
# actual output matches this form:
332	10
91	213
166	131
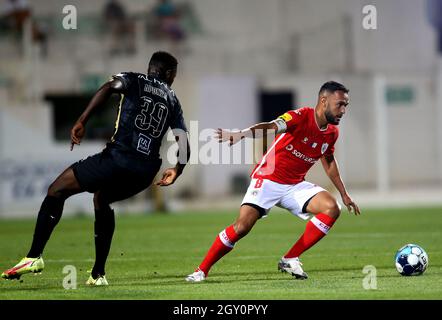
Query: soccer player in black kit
128	164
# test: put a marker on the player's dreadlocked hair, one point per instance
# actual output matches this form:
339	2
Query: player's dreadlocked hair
332	86
163	61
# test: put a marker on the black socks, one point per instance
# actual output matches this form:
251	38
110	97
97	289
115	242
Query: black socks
104	229
49	215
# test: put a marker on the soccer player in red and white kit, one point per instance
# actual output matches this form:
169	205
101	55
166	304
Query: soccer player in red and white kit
304	136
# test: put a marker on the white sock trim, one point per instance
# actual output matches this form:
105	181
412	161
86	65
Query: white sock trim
320	225
225	239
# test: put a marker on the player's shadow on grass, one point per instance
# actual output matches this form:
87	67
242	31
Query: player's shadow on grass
227	277
339	268
158	279
40	287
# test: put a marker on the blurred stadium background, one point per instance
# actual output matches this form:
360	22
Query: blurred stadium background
240	62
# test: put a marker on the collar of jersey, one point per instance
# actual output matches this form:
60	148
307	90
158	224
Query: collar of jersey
316	122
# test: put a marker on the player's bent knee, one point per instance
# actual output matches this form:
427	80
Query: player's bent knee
56	192
333	209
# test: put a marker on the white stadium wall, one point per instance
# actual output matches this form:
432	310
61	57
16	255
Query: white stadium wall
410	128
231	103
255	45
30	160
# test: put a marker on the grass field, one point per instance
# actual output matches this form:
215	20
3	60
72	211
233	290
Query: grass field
152	254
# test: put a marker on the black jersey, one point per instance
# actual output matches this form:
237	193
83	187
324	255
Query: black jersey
148	108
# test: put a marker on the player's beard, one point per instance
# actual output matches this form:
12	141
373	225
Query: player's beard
331	118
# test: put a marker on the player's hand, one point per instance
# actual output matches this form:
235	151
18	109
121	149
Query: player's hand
350	204
226	135
169	177
77	133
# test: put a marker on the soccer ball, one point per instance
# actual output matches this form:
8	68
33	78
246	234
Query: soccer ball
411	260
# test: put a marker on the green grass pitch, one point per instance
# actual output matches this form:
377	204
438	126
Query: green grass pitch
151	255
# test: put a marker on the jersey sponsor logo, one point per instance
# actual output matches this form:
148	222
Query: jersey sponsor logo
286	117
300	155
324	147
143	144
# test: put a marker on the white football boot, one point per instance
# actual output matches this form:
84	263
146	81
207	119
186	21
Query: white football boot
197	276
100	281
292	266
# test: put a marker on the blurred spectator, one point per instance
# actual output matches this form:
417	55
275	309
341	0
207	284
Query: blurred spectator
15	15
435	17
167	18
16	12
121	29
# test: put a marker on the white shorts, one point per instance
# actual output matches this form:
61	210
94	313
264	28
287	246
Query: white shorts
288	196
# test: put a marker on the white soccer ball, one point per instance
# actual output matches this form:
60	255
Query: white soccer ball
411	260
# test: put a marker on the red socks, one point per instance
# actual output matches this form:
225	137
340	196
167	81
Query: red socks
223	244
315	230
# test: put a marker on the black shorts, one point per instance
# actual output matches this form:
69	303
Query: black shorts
101	172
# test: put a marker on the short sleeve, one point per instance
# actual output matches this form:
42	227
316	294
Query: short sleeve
177	120
293	117
125	78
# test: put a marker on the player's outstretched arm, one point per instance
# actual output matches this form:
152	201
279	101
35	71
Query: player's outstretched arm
100	97
256	131
332	169
171	174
